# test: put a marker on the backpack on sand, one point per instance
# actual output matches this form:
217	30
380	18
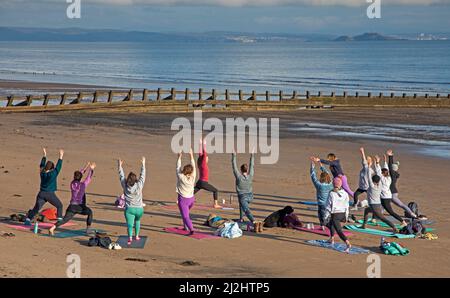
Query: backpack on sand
414	227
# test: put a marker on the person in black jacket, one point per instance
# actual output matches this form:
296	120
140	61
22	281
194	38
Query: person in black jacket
276	219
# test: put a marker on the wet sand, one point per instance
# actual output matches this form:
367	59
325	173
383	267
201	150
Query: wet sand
104	137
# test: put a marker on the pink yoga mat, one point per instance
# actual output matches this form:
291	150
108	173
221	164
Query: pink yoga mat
318	230
43	225
197	235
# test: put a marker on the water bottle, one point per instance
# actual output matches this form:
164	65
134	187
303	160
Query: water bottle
36	227
382	241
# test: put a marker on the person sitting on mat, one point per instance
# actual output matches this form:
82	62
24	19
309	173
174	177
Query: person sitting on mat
203	169
337	208
276	219
386	194
78	198
132	190
49	175
185	190
323	187
374	197
244	188
336	170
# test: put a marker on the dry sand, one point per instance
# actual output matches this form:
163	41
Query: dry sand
103	137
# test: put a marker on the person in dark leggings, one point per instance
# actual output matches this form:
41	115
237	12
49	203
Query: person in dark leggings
386	194
202	182
49	174
78	199
337	211
374	197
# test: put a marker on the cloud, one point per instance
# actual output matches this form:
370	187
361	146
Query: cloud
239	3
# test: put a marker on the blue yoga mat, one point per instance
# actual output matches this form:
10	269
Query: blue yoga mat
354	250
308	203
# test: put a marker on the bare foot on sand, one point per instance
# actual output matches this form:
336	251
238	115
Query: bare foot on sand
51	231
217	206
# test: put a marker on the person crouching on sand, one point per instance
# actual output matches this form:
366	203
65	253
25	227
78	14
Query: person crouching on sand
49	174
185	189
323	187
78	199
132	190
337	208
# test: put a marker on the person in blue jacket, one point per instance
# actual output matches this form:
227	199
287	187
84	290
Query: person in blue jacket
323	186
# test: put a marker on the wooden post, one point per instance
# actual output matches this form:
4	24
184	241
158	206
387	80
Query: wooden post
110	96
45	100
404	95
294	95
227	97
438	95
240	95
369	95
280	95
333	94
158	94
29	100
319	94
426	95
213	96
448	95
357	94
173	94
130	96
392	94
345	94
94	100
79	98
145	95
415	95
200	94
253	95
307	95
267	96
381	94
186	94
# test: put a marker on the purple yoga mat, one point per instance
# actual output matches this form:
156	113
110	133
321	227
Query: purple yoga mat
197	235
317	230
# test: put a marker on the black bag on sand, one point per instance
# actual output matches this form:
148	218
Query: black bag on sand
414	227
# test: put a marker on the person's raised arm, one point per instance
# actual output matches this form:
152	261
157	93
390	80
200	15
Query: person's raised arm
86	167
385	165
90	174
312	172
43	159
323	169
178	167
143	173
234	165
194	168
121	173
377	165
59	163
390	155
324	161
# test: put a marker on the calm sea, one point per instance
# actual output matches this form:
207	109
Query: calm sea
385	66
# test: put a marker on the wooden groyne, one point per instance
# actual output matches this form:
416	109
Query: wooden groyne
186	100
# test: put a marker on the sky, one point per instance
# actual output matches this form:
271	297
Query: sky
263	16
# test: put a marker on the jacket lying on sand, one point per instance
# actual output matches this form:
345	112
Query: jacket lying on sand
49	179
133	194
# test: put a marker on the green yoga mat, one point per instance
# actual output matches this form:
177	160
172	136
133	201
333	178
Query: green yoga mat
385	225
377	232
71	233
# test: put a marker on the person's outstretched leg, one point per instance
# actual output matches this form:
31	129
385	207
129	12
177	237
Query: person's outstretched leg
336	222
129	217
90	216
356	195
70	213
55	201
377	212
215	191
40	201
346	187
396	201
388	207
366	216
245	201
184	204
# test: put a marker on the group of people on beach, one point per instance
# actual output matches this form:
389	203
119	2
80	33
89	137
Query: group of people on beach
332	191
187	186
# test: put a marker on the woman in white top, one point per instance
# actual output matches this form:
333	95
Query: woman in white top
186	179
337	211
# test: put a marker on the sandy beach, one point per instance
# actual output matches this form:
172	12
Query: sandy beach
103	137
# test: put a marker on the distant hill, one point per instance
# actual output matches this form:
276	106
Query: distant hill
367	37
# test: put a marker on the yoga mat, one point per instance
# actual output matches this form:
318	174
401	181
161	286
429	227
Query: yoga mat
197	235
424	222
377	232
385	225
308	203
123	242
45	225
70	234
354	250
317	230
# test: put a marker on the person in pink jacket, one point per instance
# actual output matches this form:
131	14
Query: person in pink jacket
78	199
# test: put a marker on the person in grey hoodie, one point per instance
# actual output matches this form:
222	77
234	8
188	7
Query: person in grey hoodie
374	197
132	190
244	186
363	183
